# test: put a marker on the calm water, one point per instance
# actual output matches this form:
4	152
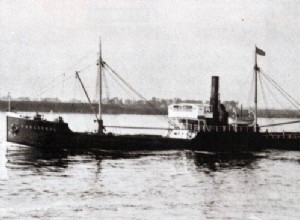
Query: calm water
145	185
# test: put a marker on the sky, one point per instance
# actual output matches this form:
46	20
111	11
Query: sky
163	48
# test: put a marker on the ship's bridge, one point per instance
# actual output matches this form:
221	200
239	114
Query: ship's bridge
190	111
189	118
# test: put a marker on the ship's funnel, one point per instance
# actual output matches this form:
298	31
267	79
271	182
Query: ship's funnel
214	98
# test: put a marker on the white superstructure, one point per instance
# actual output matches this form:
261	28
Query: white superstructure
190	111
190	119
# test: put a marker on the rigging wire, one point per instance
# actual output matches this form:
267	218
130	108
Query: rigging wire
281	88
106	86
274	96
282	91
139	95
54	80
265	101
125	89
273	124
52	84
86	67
113	77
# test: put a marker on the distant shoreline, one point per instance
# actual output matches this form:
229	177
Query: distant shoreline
141	109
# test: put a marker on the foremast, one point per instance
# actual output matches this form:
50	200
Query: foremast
255	90
100	64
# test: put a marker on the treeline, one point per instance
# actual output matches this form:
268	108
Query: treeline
137	108
40	106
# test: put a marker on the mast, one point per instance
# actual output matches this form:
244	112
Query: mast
100	121
255	90
256	70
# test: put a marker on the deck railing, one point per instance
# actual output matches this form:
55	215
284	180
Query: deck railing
223	128
243	129
239	129
282	135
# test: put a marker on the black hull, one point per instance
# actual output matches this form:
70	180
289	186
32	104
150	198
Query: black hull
228	141
45	134
58	135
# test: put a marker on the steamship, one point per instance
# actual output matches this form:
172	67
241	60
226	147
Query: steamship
202	127
195	126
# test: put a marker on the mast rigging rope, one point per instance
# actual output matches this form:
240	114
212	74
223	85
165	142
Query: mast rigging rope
139	95
282	91
265	100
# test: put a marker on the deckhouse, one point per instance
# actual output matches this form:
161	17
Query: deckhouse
190	118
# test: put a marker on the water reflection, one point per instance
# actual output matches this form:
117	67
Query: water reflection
219	161
58	159
25	157
3	161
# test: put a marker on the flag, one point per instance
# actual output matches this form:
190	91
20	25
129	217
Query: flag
260	52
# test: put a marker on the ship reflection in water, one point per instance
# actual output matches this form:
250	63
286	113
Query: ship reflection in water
219	161
145	185
55	159
24	157
58	159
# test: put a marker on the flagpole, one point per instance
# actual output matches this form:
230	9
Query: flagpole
255	91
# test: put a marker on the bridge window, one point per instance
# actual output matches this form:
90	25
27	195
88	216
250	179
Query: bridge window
187	107
183	108
177	108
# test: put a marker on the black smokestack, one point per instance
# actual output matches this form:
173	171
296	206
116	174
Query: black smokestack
214	98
